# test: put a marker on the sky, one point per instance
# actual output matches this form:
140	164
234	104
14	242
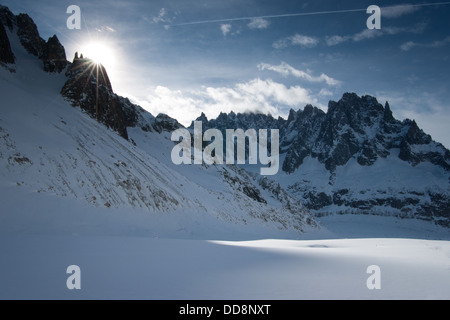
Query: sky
185	57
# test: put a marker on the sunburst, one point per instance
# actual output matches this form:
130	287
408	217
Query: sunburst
100	53
94	61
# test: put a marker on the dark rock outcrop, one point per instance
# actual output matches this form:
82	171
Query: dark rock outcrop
163	122
361	128
7	18
52	53
54	56
6	55
88	87
354	130
354	127
29	35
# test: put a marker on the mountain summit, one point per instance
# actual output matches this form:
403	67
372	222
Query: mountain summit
357	158
50	52
69	135
66	137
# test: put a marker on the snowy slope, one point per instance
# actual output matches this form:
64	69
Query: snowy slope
144	268
388	187
130	254
74	192
356	158
49	147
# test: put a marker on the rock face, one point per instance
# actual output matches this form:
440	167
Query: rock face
29	35
7	20
54	56
52	53
357	127
354	158
94	165
356	135
89	88
163	122
6	55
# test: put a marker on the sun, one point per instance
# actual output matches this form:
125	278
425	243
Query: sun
100	53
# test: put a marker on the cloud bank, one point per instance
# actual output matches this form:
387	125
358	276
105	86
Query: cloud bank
287	70
257	95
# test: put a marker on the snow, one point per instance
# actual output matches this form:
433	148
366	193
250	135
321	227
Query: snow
71	155
132	254
34	267
203	245
427	148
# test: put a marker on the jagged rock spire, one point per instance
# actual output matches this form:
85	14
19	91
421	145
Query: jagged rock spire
88	87
6	55
54	55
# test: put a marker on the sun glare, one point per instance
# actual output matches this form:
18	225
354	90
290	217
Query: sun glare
100	53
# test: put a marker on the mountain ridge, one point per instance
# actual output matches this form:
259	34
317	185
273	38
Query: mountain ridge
360	130
354	158
54	144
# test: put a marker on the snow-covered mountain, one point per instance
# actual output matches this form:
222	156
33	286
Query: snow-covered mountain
65	132
62	135
86	179
356	158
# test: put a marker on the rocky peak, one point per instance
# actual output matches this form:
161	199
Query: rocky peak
88	87
90	71
54	56
354	127
309	109
355	112
415	135
7	18
387	116
163	122
202	118
52	53
29	35
292	116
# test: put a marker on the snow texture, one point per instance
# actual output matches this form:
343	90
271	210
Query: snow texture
74	192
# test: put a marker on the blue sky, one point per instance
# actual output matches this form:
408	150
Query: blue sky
184	57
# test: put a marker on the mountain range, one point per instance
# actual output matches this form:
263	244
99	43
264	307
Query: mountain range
356	158
65	133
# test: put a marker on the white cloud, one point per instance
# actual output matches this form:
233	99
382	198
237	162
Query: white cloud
435	44
296	40
371	34
440	43
161	16
225	28
325	93
398	11
408	45
335	40
105	29
304	41
367	34
286	70
257	95
258	23
268	92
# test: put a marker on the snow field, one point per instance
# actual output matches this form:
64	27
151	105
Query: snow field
34	267
204	246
